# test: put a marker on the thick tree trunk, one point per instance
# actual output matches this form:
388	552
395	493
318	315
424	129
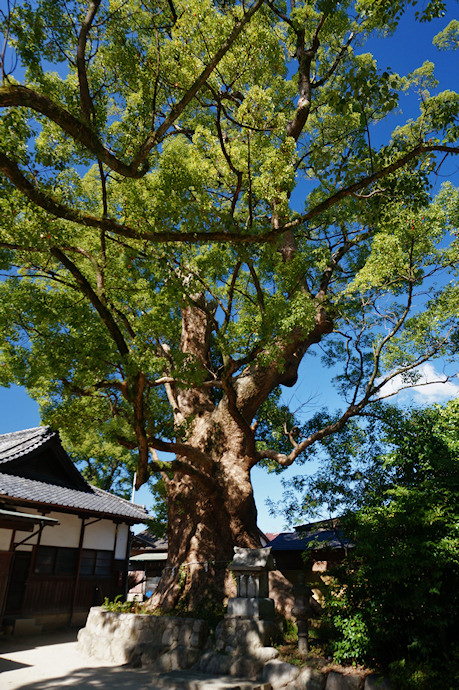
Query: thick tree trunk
209	513
211	507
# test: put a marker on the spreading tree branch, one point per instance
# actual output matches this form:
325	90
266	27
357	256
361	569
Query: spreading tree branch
99	306
178	109
12	95
55	208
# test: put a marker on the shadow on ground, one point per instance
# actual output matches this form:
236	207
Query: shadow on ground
9	665
92	678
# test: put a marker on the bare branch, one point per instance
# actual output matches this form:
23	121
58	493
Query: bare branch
227	385
230	295
5	41
182	450
256	282
176	466
305	58
45	201
368	180
333	68
87	108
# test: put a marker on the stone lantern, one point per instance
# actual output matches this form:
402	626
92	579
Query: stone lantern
251	568
302	611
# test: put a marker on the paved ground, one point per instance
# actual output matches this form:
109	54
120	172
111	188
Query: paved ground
52	661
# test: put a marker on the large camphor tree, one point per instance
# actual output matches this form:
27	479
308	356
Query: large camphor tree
159	286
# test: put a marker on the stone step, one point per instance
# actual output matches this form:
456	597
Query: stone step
191	680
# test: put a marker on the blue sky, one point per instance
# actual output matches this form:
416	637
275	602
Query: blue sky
403	53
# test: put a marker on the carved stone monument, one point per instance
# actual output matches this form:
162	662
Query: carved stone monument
251	568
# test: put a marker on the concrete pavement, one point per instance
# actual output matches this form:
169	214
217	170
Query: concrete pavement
51	661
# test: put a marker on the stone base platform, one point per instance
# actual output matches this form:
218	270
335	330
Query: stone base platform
190	680
250	607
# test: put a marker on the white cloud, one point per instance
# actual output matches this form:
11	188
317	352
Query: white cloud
433	386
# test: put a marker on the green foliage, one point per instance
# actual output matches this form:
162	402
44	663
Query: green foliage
120	606
395	597
290	630
150	154
449	37
352	640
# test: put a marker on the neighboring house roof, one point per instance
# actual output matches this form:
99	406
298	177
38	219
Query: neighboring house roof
27	461
38	454
316	535
19	443
271	535
145	541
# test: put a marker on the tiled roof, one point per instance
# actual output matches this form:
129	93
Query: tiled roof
315	539
146	540
94	500
271	535
19	443
79	495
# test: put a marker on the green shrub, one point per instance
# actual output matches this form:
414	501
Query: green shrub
353	642
395	601
119	606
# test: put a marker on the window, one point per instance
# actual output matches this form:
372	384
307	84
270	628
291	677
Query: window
103	563
96	562
66	561
45	561
54	560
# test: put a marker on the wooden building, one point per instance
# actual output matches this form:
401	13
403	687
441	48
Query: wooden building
64	544
305	555
146	563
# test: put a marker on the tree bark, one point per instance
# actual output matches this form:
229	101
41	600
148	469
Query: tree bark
209	513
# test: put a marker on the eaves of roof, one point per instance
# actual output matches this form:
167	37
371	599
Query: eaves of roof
93	501
146	557
15	515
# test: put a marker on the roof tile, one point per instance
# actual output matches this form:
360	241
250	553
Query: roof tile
94	499
20	443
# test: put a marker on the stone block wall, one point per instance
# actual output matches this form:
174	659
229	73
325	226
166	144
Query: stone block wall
240	648
161	642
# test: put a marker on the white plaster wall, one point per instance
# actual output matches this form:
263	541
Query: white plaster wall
20	536
66	533
5	539
100	535
121	541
